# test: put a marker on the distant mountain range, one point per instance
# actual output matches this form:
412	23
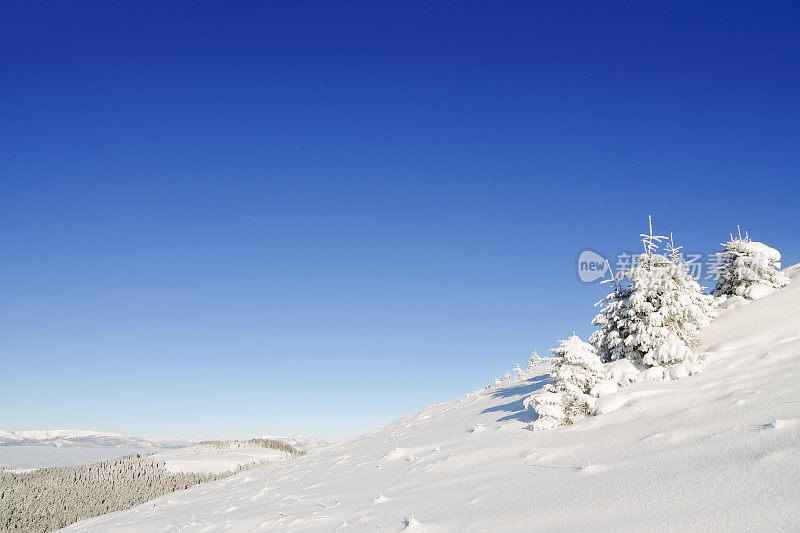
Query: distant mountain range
60	438
90	439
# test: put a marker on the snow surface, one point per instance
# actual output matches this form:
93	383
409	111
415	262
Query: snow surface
719	450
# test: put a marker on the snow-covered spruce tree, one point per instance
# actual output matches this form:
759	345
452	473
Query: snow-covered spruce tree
684	306
749	269
613	319
670	352
534	362
626	329
653	300
566	399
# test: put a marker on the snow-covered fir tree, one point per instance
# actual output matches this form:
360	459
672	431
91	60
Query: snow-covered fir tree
566	399
651	301
518	371
612	321
684	306
578	368
749	269
670	352
534	362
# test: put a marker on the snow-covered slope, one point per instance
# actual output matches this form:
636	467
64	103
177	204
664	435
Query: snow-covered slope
714	451
65	437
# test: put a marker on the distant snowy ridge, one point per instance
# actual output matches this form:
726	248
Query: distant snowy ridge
102	439
301	442
82	438
201	460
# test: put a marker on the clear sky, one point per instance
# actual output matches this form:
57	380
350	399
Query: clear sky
224	219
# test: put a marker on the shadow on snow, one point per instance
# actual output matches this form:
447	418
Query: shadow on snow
515	408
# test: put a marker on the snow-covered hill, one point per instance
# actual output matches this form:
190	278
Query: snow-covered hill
301	442
213	461
85	439
714	451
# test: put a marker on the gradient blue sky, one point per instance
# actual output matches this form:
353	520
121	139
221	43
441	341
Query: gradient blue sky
223	219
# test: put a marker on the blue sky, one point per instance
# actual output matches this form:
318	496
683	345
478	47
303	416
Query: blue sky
224	219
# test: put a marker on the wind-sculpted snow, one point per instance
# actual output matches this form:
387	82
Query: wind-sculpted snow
717	450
